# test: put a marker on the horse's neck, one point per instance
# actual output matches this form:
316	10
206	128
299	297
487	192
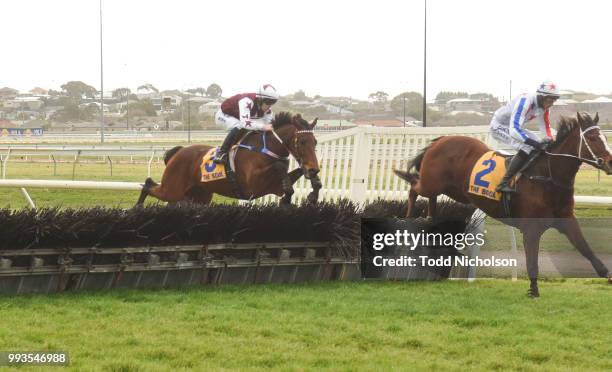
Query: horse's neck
285	133
563	168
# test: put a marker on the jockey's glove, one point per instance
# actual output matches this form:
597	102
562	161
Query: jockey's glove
538	145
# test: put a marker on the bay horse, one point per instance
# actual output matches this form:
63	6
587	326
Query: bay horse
545	196
259	171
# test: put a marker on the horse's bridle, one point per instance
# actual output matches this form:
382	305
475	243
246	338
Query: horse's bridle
594	159
295	142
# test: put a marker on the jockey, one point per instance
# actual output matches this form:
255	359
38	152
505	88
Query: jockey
251	111
508	121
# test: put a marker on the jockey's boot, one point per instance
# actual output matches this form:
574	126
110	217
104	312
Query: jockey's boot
221	157
516	164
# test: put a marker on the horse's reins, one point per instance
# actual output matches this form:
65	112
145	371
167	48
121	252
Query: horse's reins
295	142
595	160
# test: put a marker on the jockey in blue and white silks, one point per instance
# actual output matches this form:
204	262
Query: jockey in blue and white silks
507	126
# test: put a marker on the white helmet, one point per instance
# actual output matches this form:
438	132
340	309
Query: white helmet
548	88
267	91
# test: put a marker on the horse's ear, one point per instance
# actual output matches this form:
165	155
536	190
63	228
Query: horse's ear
314	122
580	120
596	120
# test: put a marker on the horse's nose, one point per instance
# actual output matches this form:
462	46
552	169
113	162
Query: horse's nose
608	167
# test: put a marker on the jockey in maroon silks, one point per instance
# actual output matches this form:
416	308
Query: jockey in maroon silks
251	111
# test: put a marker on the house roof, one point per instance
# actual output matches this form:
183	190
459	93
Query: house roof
598	100
7	124
380	122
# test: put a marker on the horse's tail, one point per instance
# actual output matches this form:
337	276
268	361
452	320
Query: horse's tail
414	163
170	153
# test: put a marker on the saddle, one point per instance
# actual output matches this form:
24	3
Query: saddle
230	171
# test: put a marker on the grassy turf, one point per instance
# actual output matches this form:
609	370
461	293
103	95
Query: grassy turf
137	172
486	325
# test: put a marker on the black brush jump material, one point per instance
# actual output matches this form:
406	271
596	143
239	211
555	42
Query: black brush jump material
55	249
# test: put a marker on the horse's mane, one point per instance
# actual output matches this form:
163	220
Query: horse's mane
283	118
564	128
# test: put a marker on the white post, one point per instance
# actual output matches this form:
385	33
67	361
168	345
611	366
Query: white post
360	167
474	250
514	252
28	198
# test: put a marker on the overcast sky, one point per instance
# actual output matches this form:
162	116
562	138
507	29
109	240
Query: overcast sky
326	47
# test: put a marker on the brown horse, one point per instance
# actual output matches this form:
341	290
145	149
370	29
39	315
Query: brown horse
259	171
545	196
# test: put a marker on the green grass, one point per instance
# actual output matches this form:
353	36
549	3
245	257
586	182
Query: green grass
136	172
486	325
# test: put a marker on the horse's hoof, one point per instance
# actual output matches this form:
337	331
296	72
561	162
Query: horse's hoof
531	293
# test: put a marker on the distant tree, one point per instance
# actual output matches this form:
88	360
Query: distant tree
300	96
77	89
214	91
54	93
142	108
122	93
413	103
445	96
379	97
71	111
6	91
149	87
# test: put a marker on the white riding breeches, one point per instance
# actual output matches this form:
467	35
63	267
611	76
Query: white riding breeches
229	122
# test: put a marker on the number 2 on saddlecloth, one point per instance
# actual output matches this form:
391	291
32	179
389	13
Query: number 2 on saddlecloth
478	179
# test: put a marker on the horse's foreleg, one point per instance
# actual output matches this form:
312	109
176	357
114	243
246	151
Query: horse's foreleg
280	168
295	175
571	229
316	184
531	241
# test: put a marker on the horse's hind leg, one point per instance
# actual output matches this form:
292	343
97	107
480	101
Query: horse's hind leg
431	206
412	197
531	241
145	190
200	196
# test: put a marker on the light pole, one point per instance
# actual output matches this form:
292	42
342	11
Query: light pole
188	121
404	96
510	96
101	82
425	68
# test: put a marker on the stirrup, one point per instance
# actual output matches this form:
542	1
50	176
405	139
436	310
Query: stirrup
505	188
220	158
